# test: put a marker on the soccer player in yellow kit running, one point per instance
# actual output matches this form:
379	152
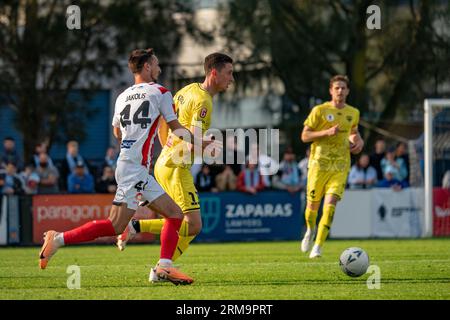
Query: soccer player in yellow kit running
193	105
332	127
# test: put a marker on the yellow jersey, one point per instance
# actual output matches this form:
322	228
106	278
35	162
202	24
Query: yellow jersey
332	153
193	106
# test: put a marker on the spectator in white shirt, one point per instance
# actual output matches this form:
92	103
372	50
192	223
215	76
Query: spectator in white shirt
362	176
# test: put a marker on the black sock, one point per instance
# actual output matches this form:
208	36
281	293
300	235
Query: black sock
136	225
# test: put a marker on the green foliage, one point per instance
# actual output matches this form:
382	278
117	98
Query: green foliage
306	42
42	60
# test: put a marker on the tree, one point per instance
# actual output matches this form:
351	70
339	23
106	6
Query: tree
42	61
306	42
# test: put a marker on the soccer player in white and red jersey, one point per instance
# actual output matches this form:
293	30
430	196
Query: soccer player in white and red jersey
194	105
135	124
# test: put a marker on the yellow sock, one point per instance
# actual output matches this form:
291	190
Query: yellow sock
155	226
310	217
151	225
182	245
325	223
183	240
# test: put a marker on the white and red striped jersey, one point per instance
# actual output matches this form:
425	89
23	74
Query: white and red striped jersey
137	113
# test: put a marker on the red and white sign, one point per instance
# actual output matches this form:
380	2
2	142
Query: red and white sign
441	212
65	212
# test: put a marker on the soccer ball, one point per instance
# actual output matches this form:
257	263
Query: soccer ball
354	262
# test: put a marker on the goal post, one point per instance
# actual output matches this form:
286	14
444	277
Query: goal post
431	108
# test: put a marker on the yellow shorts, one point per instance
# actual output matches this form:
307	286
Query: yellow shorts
322	182
179	185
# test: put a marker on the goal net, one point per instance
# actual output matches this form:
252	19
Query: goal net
436	167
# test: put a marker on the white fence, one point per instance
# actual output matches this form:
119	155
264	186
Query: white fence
380	213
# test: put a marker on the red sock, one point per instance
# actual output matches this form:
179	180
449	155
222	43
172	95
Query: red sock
89	231
169	237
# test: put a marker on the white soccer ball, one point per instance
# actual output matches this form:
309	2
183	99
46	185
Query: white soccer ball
354	262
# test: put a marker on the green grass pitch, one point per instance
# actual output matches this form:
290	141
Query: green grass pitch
410	269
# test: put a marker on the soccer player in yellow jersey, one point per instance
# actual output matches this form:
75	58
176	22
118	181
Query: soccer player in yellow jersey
332	127
193	105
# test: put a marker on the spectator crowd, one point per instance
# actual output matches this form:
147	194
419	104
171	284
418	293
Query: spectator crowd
385	167
43	175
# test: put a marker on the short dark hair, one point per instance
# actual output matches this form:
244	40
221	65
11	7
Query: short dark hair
79	164
217	61
391	149
289	150
138	57
9	138
340	77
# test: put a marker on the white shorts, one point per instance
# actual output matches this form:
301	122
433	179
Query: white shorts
135	185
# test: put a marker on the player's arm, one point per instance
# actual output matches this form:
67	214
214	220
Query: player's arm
167	109
356	141
184	134
168	112
118	134
197	132
171	119
201	115
116	122
163	131
309	135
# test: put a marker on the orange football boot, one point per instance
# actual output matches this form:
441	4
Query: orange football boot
173	275
49	248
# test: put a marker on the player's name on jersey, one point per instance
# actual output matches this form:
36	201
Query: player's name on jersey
135	96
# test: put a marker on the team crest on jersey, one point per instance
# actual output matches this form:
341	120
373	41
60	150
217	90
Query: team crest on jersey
330	117
181	99
120	195
349	118
203	112
139	196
